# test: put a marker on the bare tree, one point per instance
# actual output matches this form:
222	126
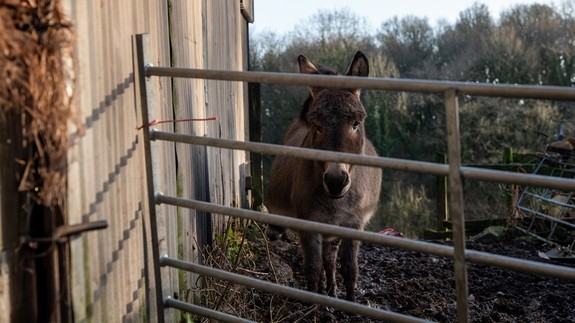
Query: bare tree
409	42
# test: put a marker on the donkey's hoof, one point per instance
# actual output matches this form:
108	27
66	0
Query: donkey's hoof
274	232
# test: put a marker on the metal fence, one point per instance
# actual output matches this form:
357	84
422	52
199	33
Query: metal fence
454	170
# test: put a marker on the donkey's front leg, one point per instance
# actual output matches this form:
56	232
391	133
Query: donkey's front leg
329	257
349	267
311	244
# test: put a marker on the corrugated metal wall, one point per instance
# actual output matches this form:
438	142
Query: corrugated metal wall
106	178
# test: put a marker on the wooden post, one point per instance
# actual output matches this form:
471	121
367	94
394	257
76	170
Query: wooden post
17	295
508	155
256	136
511	193
441	191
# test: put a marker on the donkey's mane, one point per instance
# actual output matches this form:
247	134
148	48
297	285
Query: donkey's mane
305	109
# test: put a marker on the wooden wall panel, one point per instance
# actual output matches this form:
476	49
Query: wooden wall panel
226	100
106	176
208	174
106	164
187	43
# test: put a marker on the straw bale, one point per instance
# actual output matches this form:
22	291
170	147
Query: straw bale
37	83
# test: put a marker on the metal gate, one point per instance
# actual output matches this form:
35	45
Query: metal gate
454	171
550	210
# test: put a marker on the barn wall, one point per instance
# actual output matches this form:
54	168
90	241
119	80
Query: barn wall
106	177
217	41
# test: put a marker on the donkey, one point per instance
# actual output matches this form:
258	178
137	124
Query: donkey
328	192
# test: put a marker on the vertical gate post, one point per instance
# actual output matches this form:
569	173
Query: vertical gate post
145	98
456	202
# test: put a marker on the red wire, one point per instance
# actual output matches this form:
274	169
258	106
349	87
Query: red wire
155	122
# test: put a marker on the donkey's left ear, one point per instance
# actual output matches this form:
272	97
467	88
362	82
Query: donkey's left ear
359	65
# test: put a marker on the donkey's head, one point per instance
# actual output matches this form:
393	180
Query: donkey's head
334	117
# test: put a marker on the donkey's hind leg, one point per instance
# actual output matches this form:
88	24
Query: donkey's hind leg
329	259
349	267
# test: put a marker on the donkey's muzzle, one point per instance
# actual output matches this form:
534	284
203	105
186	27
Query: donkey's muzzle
336	180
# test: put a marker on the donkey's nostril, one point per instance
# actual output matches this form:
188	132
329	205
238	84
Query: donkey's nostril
336	184
345	177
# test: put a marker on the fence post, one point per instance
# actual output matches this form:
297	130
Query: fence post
441	191
456	202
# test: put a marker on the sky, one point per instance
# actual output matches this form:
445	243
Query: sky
281	16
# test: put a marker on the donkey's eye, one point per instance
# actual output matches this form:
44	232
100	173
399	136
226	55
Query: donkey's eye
355	125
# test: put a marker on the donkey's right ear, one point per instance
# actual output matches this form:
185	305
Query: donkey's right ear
307	67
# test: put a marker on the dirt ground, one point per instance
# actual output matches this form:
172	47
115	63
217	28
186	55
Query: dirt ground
416	284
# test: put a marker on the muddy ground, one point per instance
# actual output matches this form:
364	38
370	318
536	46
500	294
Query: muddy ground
414	284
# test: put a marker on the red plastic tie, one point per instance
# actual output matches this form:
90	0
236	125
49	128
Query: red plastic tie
155	122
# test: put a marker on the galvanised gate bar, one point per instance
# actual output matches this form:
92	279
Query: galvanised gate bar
454	170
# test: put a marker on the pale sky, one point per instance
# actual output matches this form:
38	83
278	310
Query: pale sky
282	15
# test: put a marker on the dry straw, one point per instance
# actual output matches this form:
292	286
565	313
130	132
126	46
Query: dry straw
37	86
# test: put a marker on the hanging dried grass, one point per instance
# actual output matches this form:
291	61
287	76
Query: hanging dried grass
37	82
